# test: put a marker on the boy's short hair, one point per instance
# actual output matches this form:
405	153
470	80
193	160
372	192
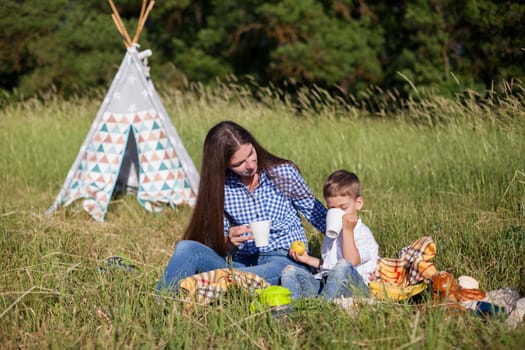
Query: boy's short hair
342	183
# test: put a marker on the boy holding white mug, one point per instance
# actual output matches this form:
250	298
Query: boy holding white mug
348	258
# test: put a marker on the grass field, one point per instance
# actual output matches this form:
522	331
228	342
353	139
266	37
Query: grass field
454	170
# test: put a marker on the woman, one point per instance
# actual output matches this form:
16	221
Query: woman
241	182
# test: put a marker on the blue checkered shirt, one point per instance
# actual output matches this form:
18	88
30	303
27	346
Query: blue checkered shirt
279	199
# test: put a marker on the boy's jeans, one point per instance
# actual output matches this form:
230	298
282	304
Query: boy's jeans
191	257
343	280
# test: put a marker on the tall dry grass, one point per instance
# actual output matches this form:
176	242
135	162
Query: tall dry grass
452	169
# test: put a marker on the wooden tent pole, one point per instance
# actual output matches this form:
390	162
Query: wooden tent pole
142	9
120	25
122	31
142	19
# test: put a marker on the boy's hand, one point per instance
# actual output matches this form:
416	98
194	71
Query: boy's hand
299	258
349	222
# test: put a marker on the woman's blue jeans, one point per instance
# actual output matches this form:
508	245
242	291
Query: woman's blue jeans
191	257
343	280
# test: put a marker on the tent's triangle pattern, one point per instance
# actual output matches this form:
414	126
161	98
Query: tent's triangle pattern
160	169
97	173
161	176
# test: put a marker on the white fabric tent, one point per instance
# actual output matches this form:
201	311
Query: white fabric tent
132	146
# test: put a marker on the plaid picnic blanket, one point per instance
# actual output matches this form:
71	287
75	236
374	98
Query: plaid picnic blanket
205	287
411	266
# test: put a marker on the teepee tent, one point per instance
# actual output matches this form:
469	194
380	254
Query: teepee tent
132	145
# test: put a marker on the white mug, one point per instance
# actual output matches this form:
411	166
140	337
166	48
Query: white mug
334	222
261	232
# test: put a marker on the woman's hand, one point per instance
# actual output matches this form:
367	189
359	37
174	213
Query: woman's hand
237	235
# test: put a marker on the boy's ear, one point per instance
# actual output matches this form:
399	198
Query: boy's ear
359	203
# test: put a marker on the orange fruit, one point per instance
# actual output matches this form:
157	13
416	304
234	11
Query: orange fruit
299	247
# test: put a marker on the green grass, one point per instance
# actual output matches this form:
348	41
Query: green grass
450	169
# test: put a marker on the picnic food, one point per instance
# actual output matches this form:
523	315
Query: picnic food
446	289
470	294
468	282
299	247
385	291
443	282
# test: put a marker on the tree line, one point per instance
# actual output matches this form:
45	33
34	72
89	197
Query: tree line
72	47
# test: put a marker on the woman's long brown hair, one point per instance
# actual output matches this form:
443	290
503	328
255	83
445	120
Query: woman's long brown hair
221	142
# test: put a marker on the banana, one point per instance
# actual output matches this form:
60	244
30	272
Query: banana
384	291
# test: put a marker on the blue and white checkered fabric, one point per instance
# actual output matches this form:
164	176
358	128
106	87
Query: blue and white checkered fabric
279	197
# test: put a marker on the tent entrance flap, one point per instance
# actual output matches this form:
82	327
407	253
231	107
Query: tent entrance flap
128	177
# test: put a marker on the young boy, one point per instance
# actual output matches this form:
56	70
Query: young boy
348	259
